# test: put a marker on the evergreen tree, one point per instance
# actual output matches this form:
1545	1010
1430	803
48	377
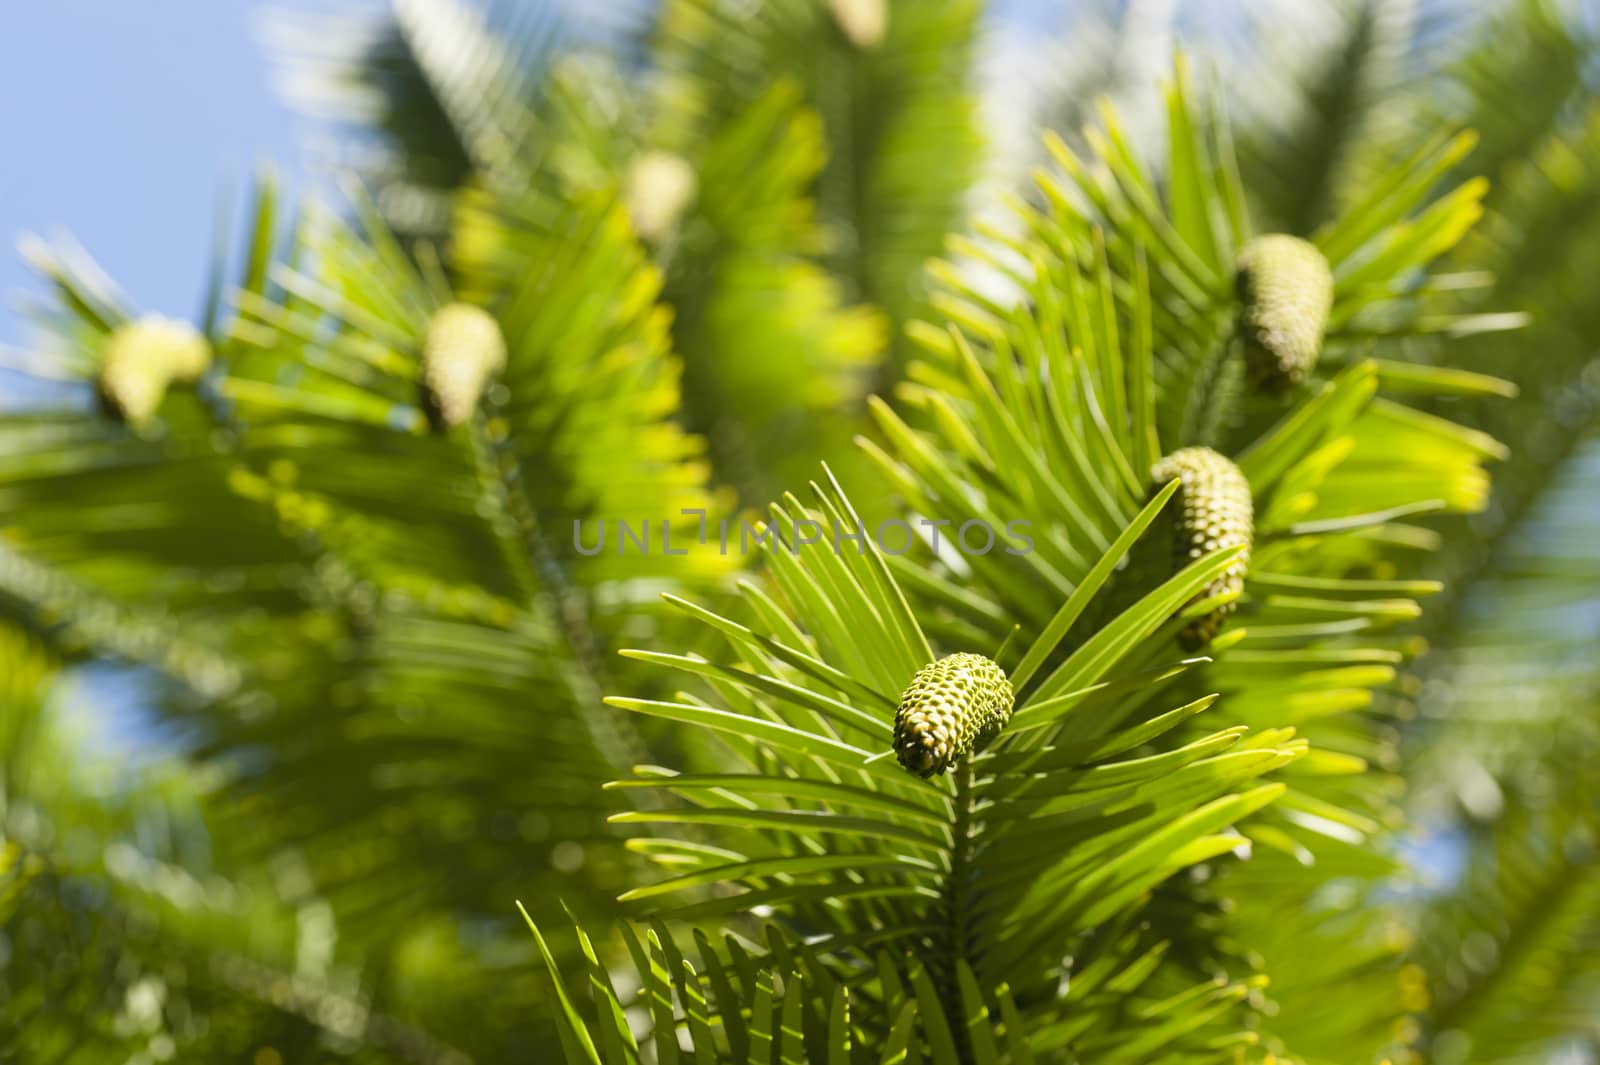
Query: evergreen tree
1095	638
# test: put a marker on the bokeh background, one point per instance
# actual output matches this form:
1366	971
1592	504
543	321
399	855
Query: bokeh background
141	116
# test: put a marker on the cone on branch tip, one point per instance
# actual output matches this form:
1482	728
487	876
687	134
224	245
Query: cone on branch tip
864	23
462	350
143	358
1286	292
661	186
1214	511
951	708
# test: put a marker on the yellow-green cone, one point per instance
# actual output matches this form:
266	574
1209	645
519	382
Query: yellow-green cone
864	23
464	346
1213	511
661	186
1286	292
143	358
950	708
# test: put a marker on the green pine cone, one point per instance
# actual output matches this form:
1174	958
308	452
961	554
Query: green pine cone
142	358
1214	511
463	348
951	707
1286	291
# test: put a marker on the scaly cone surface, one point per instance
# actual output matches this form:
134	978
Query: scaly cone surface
1214	512
1286	291
951	707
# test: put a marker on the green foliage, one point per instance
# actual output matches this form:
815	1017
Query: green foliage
375	570
1102	757
897	115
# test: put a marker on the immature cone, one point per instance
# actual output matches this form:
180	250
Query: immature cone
463	348
1286	290
142	358
863	22
1214	511
951	707
661	186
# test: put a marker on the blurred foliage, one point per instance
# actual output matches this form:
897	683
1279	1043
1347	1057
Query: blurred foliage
314	672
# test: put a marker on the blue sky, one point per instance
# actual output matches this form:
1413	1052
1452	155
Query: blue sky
120	122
